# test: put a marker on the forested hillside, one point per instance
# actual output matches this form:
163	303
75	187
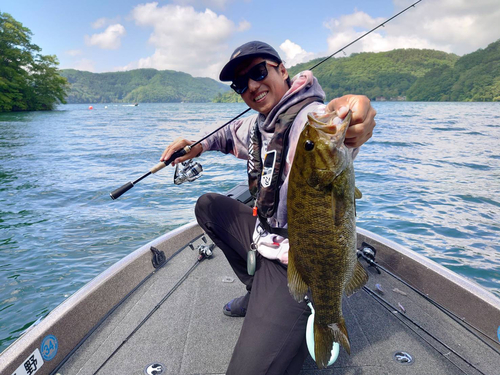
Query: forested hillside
474	77
141	85
402	74
409	74
384	74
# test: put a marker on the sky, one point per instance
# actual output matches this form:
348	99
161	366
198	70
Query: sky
198	36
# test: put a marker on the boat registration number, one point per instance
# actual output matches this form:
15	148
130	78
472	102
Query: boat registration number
31	365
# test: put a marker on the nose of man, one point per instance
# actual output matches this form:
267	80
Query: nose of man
253	85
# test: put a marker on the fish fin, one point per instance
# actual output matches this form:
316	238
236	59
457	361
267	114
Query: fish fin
357	193
340	334
338	210
298	288
323	343
325	336
358	279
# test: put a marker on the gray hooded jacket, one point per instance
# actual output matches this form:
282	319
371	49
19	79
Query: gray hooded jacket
235	138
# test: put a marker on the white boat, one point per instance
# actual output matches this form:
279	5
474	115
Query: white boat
413	317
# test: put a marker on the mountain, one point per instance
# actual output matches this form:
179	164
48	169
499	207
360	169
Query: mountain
383	74
408	74
474	77
140	85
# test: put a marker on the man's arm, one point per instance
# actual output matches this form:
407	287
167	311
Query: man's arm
232	139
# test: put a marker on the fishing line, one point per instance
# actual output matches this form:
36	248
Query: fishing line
365	34
177	154
463	323
389	307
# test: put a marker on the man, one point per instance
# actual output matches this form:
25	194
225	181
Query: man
272	339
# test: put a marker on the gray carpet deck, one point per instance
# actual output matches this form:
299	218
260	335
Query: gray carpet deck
190	335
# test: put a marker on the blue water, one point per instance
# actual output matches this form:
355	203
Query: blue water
430	179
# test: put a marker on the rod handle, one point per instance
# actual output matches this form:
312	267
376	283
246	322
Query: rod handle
177	154
158	166
118	192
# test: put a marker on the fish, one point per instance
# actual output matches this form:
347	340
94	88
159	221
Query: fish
322	258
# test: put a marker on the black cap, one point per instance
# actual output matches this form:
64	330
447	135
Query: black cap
250	49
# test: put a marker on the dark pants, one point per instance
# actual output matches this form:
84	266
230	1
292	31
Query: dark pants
272	338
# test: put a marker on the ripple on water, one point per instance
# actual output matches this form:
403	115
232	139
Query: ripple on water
428	179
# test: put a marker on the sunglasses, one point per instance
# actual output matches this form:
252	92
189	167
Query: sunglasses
257	73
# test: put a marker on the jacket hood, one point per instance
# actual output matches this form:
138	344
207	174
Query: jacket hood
304	85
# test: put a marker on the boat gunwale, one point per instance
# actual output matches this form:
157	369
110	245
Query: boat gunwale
464	283
137	264
440	284
125	274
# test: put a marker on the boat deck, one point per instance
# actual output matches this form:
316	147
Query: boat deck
189	334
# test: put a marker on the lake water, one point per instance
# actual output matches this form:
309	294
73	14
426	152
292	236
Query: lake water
430	179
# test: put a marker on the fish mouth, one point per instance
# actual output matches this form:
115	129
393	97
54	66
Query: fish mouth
327	122
330	123
325	118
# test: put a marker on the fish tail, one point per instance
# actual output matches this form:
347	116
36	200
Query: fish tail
325	336
323	343
340	334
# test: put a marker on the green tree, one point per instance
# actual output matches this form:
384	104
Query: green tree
28	80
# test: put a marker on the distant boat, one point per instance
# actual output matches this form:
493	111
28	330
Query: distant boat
136	104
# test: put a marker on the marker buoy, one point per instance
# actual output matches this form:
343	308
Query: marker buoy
90	107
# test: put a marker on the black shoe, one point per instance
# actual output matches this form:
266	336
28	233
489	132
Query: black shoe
237	307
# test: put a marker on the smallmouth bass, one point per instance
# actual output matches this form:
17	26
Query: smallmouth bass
322	228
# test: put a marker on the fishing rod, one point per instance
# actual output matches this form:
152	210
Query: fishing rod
179	153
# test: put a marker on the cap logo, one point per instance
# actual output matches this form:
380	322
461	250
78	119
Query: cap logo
236	54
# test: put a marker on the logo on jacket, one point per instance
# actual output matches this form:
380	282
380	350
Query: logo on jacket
267	172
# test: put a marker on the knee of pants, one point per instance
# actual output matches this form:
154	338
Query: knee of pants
205	206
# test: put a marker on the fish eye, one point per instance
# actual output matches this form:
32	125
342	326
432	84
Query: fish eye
309	145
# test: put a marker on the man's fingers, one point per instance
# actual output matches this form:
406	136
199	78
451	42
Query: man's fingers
357	141
179	145
342	112
176	145
354	131
362	121
335	103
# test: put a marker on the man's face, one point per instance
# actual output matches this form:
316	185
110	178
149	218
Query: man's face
263	96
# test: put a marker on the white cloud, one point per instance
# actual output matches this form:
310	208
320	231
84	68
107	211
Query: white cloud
103	21
244	26
347	28
85	64
185	40
217	4
457	26
108	39
74	52
294	54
